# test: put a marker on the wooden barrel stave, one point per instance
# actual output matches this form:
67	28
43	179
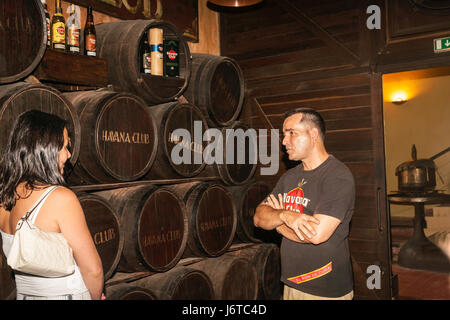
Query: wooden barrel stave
247	197
19	97
154	222
20	55
217	87
104	226
230	172
212	218
119	43
125	291
179	283
171	116
233	278
119	137
266	259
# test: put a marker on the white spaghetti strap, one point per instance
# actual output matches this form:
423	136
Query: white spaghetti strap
38	204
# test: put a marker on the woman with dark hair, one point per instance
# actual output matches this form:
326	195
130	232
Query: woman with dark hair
31	172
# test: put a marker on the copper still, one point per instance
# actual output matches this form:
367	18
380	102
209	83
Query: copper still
418	175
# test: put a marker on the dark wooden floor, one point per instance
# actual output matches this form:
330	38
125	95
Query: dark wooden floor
421	285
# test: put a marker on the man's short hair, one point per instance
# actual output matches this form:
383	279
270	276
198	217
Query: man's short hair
311	116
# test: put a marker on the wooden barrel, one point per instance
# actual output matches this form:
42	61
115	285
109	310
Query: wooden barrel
240	159
23	38
7	283
233	278
179	283
125	291
266	259
154	223
247	198
211	215
104	226
119	138
217	88
19	97
120	42
170	117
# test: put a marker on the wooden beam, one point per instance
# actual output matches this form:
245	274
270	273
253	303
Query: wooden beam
320	32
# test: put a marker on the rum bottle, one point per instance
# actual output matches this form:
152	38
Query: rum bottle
89	35
146	57
73	29
58	30
171	59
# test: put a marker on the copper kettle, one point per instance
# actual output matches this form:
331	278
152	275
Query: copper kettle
417	176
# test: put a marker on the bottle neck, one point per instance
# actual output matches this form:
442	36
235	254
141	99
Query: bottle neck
89	17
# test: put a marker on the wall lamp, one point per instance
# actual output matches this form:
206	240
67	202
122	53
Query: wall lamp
399	97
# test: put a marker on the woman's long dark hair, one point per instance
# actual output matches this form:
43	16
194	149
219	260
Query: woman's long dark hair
31	155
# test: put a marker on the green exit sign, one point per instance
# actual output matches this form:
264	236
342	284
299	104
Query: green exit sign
442	44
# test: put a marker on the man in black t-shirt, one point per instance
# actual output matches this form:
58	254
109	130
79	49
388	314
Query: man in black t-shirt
311	206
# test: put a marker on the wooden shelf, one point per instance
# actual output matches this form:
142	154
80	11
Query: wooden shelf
106	186
72	70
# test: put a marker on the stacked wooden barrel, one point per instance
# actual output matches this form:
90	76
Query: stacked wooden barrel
157	212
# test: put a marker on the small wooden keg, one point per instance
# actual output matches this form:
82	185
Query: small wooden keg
119	138
155	226
119	43
171	117
217	87
212	217
23	38
247	197
239	162
19	97
179	283
266	259
104	226
125	291
233	278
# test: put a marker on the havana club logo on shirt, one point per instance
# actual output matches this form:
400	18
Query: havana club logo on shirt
295	199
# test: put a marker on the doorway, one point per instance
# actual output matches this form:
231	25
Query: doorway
416	111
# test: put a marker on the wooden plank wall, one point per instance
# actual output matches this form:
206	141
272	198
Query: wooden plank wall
320	54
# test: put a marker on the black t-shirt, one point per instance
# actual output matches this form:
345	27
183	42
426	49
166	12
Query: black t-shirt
323	269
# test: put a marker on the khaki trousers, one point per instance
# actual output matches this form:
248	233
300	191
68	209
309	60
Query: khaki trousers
294	294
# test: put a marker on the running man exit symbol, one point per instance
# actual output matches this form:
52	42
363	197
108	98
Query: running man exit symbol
442	44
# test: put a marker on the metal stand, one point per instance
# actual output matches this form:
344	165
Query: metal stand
419	252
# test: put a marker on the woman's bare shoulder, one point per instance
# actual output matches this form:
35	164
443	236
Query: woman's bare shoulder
64	195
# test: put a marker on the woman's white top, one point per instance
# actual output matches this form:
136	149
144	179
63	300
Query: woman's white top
41	286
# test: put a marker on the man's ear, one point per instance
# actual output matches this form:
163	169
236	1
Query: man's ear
314	134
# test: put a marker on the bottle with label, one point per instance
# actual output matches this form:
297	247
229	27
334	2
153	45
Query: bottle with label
89	35
171	59
146	57
73	29
47	21
58	30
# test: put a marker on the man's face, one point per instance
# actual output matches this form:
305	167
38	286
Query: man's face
297	137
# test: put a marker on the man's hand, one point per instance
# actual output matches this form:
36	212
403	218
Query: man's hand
274	203
298	222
